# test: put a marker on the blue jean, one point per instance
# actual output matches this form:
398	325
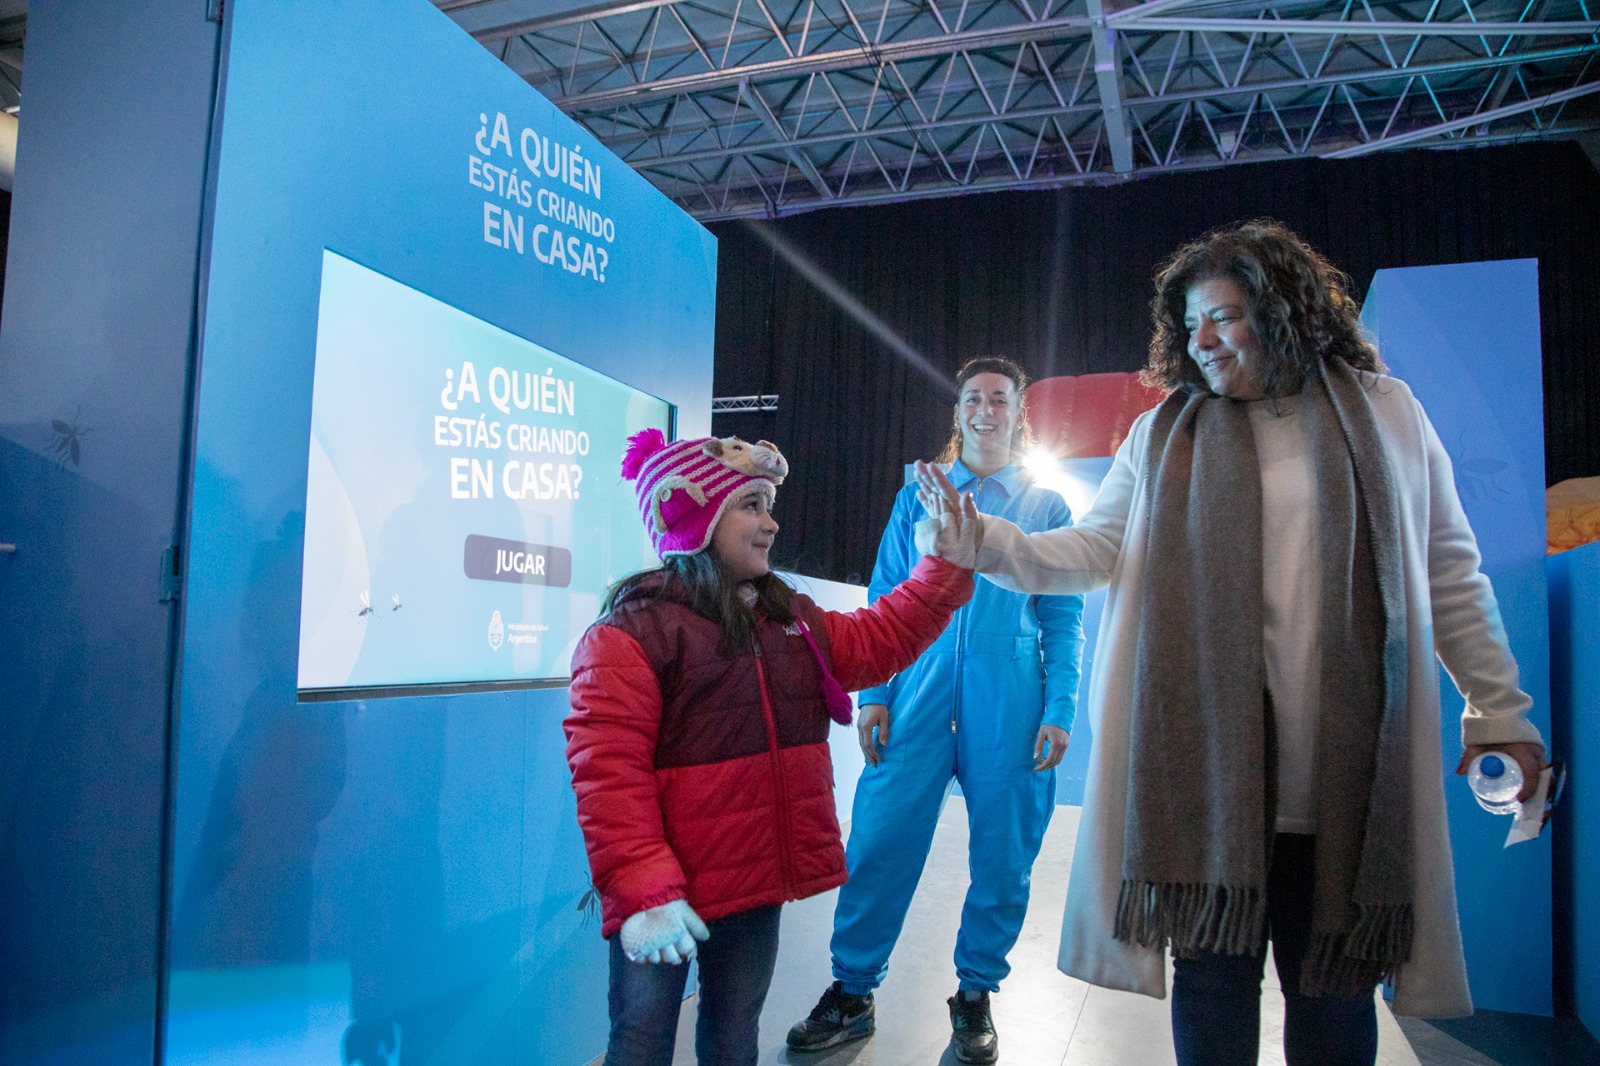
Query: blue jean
1216	999
736	964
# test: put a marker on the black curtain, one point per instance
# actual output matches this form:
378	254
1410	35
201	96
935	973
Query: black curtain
1060	281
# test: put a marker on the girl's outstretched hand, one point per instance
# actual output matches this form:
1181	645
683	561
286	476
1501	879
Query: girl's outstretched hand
663	934
953	529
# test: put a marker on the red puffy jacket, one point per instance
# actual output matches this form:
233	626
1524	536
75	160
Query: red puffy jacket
707	778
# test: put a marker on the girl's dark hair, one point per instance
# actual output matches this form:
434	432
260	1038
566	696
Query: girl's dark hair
1022	436
704	584
1298	303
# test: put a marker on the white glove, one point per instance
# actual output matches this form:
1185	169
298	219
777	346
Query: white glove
955	537
663	934
953	529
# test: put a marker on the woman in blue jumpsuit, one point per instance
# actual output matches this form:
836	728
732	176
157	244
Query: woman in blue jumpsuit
988	705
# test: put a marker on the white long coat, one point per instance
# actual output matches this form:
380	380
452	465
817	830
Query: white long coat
1450	608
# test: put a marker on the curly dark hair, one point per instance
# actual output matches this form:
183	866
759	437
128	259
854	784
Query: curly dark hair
1299	305
704	583
1022	436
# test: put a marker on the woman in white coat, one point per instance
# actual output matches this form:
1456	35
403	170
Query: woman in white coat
1286	553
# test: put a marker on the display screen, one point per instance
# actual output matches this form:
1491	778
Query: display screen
464	512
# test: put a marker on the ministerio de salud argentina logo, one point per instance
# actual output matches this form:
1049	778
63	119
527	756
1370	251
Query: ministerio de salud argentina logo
497	631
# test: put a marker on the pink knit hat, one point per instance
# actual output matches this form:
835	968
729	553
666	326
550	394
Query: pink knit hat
684	486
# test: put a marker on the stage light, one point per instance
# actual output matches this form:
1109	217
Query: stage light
1041	463
1047	472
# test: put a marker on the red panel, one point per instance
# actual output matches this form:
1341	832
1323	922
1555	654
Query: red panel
1088	415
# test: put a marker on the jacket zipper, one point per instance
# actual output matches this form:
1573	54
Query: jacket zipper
785	830
961	641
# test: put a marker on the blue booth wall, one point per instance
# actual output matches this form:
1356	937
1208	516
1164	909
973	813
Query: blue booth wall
350	876
1465	337
1575	696
94	362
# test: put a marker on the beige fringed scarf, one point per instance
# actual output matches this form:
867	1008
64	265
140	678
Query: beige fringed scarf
1200	807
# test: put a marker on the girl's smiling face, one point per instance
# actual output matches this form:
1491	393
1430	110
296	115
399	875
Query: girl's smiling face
743	538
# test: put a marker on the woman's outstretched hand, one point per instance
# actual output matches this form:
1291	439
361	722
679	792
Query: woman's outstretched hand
953	530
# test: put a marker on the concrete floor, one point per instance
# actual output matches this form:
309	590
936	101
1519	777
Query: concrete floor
1043	1017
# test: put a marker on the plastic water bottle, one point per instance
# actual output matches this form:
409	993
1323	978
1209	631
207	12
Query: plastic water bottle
1495	781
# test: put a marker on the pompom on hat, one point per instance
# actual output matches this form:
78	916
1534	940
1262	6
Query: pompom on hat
684	486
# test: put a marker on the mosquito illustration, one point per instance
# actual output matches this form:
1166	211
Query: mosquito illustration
396	599
589	903
1478	476
67	439
366	607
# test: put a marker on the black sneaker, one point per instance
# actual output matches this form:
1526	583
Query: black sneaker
972	1029
837	1017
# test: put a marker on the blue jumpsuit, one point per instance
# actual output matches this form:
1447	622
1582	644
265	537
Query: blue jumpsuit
968	710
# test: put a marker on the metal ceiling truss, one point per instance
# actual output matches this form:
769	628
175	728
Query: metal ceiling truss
738	108
763	402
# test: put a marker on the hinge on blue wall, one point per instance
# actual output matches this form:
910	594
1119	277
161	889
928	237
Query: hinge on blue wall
214	10
171	576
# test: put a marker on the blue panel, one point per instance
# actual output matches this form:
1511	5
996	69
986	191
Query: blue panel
1575	681
349	870
94	356
1466	339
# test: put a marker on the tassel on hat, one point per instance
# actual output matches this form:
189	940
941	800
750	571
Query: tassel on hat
834	697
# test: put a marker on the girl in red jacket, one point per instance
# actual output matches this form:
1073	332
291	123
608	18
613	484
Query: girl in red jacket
698	742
